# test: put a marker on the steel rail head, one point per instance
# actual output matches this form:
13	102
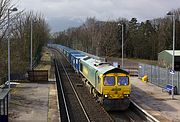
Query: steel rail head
85	113
62	91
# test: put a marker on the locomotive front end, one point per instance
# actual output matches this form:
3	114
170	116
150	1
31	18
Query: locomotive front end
116	91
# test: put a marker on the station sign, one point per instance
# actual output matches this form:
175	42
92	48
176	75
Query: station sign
172	72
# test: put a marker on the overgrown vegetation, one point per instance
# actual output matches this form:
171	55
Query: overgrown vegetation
19	31
141	40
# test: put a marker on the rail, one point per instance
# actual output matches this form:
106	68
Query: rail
76	93
143	113
133	114
62	91
79	101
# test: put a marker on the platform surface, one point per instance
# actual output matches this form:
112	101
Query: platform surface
157	103
33	102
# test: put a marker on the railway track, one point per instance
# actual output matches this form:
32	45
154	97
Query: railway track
68	95
129	115
79	109
133	114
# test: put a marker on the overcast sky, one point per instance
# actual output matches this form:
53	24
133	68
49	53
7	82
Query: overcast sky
61	14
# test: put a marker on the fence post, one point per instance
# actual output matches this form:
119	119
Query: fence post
157	75
167	78
178	84
138	70
151	73
144	69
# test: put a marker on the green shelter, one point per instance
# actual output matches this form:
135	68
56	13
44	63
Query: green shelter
165	59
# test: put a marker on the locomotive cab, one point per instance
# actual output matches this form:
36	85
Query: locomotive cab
116	86
116	90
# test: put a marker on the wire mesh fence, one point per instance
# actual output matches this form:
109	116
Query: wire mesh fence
159	76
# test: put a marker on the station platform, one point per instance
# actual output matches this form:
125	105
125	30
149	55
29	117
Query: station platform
157	103
33	102
36	101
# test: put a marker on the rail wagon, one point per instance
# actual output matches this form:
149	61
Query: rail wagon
75	61
70	57
73	56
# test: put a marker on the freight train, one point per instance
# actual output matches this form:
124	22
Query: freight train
110	85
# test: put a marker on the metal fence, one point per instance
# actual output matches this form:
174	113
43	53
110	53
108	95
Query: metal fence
159	76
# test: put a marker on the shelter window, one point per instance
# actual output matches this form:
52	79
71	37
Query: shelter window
123	81
109	81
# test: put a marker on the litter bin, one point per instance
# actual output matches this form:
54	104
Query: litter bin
145	78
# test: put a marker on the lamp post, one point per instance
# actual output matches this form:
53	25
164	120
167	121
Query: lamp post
9	50
173	16
122	26
31	46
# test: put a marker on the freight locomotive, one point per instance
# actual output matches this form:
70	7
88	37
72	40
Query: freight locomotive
110	85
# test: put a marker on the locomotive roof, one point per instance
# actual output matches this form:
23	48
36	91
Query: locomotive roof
79	56
103	67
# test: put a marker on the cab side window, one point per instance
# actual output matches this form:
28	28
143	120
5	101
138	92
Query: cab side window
99	80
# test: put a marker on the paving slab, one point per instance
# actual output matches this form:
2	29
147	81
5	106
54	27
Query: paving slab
29	102
53	113
157	103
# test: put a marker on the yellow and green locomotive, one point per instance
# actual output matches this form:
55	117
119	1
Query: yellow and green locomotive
110	85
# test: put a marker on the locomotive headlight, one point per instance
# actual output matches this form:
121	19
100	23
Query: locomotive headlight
126	95
105	95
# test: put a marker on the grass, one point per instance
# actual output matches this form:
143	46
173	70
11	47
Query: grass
145	61
45	62
134	61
